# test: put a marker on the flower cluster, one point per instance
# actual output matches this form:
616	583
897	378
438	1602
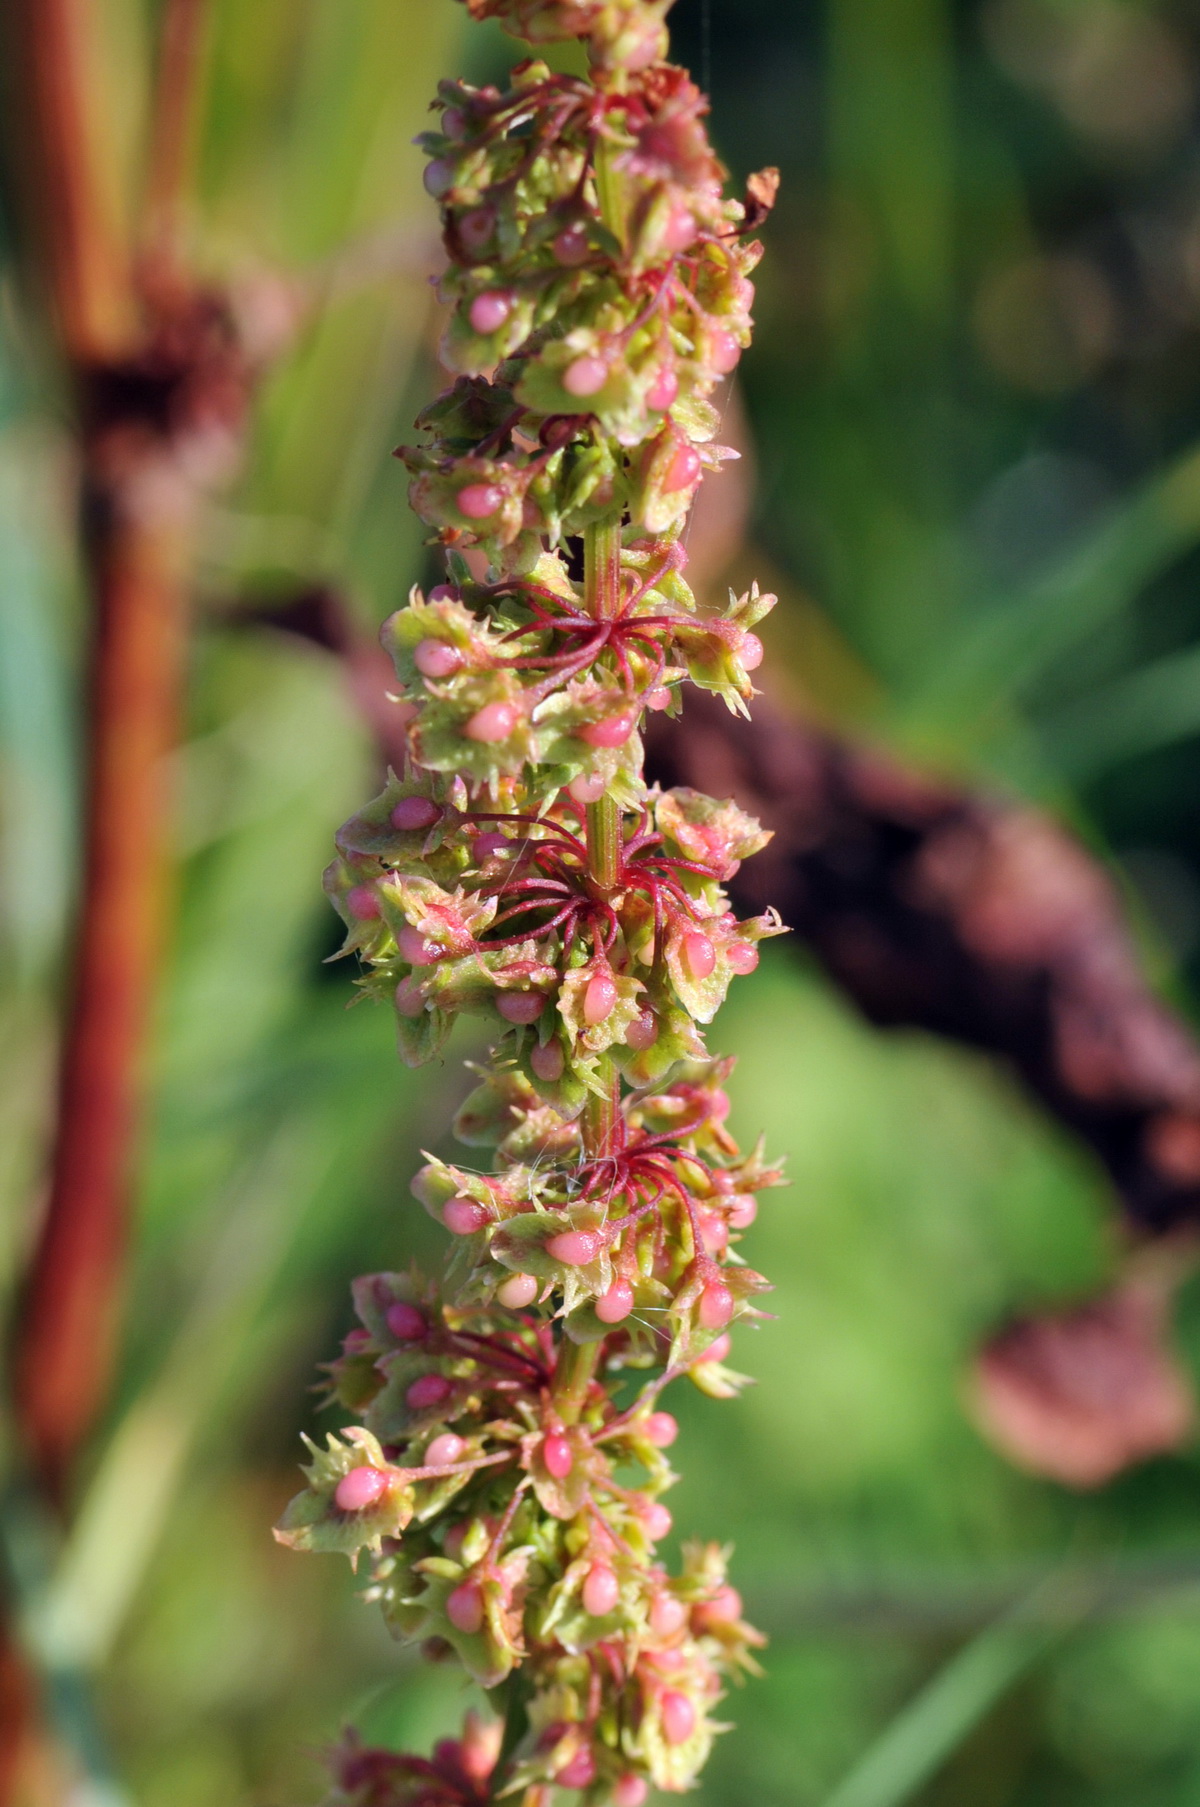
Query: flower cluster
503	1467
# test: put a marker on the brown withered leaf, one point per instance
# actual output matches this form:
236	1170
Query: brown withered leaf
761	189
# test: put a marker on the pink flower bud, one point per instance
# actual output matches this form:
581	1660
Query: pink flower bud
680	230
616	1303
683	470
724	1608
601	1590
667	1615
715	1307
413	813
586	376
360	1489
495	721
475	228
574	1248
362	903
557	1455
463	1216
438	177
659	697
405	1322
408	996
656	1520
613	731
428	1390
664	390
548	1060
742	956
443	1450
443	593
464	1609
437	658
490	310
718	1349
698	954
743	1211
751	652
479	500
723	352
415	949
678	1716
580	1772
714	1231
600	998
630	1791
660	1429
589	788
570	247
520	1006
643	1031
517	1291
354	1340
488	844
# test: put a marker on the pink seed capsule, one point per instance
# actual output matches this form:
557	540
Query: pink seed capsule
656	1520
643	1031
437	658
479	500
660	697
557	1455
464	1609
454	1539
520	1006
586	376
427	1390
630	1791
599	999
724	1608
547	1061
495	721
463	1216
415	948
574	1248
616	1303
570	247
742	956
751	652
443	1450
475	228
360	1489
362	903
488	844
443	593
718	1349
723	352
489	311
405	1322
517	1291
678	1716
409	998
683	470
742	1211
663	391
714	1231
438	177
601	1590
589	788
354	1340
698	954
661	1429
579	1772
667	1615
715	1307
413	813
613	731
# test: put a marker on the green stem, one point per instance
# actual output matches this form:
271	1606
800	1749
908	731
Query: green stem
573	1376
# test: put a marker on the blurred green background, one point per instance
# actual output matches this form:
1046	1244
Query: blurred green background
974	403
